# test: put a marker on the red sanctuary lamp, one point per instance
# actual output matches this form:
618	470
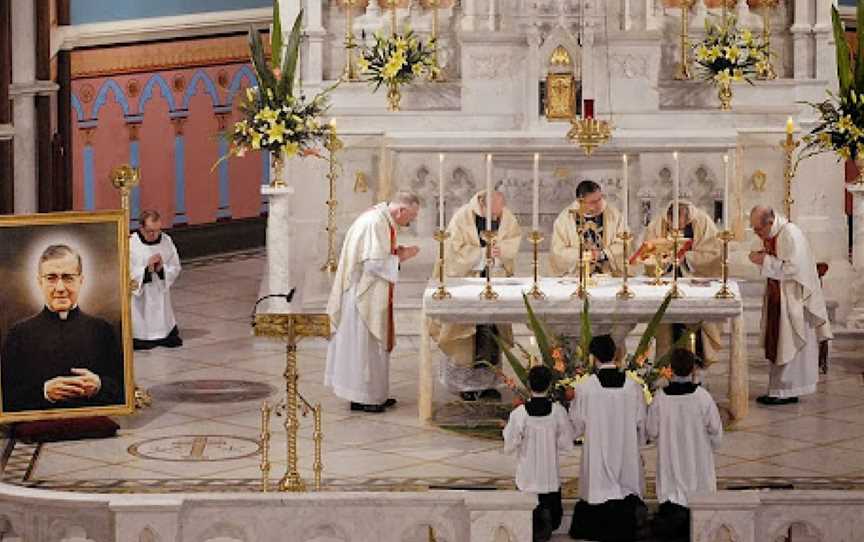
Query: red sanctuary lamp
587	131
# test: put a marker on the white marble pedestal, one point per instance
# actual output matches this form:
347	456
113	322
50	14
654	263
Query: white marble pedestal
855	319
277	276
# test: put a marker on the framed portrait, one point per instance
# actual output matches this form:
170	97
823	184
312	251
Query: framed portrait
65	329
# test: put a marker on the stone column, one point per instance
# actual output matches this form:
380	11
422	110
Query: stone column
802	41
856	315
823	36
24	106
533	73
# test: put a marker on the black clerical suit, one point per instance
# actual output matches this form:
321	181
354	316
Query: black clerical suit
45	346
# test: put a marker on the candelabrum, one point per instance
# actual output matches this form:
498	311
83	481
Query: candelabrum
441	292
350	72
766	69
488	293
391	6
265	447
725	293
333	145
682	70
436	73
536	238
625	292
674	291
589	133
789	145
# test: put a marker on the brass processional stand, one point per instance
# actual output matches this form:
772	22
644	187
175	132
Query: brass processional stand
291	327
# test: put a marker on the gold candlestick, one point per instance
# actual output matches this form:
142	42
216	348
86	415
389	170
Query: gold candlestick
725	293
350	73
291	481
391	5
265	447
435	71
682	70
674	291
441	292
625	292
789	145
766	71
318	438
536	238
333	145
584	275
488	293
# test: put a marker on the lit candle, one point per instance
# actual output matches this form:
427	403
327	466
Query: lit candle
441	191
489	192
726	191
675	186
625	192
535	203
790	129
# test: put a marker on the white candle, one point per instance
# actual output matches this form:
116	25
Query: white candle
675	186
726	191
535	203
489	192
441	191
625	197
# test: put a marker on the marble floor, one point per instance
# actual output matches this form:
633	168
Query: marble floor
201	432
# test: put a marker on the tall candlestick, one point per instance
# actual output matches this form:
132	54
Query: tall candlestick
676	179
790	129
535	202
625	204
489	192
726	191
441	191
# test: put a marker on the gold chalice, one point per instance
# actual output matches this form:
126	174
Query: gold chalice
656	256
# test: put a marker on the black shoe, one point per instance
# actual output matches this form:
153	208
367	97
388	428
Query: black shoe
469	395
140	344
362	407
490	395
389	403
769	400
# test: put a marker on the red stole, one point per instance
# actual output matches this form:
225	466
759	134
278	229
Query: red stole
391	329
772	307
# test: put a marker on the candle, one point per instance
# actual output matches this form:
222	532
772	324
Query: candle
535	203
441	191
625	192
489	192
589	109
790	129
726	191
675	186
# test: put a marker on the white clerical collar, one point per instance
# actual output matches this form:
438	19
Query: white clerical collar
535	394
63	315
607	366
682	379
779	222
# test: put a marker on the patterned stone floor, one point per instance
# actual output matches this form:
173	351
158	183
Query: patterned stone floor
200	434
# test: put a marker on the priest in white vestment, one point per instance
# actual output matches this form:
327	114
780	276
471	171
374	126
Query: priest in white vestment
467	347
154	265
361	304
702	258
794	316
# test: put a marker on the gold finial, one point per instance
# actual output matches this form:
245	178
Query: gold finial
125	176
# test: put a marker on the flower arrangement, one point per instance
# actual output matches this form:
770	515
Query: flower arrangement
397	60
274	118
729	54
841	117
571	364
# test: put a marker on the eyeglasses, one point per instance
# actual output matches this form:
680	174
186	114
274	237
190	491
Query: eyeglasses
67	278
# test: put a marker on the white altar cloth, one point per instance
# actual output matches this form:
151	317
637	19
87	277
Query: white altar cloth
697	304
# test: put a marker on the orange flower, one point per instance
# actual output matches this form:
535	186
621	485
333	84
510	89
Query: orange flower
310	152
518	400
557	354
666	372
510	383
559	365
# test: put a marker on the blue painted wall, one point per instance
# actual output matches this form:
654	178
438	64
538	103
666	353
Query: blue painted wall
94	11
848	2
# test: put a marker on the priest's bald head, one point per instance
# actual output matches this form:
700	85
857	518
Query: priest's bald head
761	220
498	203
404	207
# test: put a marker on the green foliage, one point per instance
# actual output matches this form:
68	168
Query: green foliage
397	59
651	328
729	52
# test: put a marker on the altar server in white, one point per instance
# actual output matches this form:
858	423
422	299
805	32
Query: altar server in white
154	266
684	422
794	316
609	410
538	432
361	304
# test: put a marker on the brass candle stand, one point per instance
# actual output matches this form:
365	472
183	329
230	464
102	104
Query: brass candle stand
766	71
333	145
318	439
725	293
488	293
682	70
625	292
789	145
435	69
265	447
584	270
674	291
536	238
350	72
441	292
391	6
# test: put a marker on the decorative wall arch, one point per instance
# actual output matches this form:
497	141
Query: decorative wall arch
245	72
77	108
723	533
325	532
810	530
200	76
419	532
222	531
147	93
148	535
109	85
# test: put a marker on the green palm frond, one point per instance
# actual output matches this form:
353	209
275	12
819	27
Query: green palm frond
682	342
844	58
266	78
276	38
518	369
651	328
585	332
289	61
540	334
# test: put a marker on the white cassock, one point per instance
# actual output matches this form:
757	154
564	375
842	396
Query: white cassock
613	421
800	321
152	313
687	429
536	441
360	309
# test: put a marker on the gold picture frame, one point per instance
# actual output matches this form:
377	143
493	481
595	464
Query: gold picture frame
41	289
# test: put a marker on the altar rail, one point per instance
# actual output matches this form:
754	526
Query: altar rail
32	515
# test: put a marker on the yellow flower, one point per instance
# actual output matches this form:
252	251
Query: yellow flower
746	35
844	153
363	64
646	393
738	75
825	139
418	69
733	53
256	139
267	114
291	148
702	53
276	132
844	124
714	53
723	77
241	127
251	94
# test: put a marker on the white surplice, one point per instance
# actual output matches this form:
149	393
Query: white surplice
358	362
536	441
152	313
613	422
687	429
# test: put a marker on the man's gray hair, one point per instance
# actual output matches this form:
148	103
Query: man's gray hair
405	198
765	214
55	252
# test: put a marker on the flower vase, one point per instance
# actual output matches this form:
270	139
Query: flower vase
724	92
859	163
277	164
393	96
